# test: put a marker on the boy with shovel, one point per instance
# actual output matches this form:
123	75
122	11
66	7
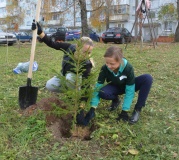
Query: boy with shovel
67	68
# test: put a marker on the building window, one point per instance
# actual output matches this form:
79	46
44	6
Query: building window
2	10
2	22
55	17
78	19
133	9
28	12
168	26
122	9
29	23
151	14
121	25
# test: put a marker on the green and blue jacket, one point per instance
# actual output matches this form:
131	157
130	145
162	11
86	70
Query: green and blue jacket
124	79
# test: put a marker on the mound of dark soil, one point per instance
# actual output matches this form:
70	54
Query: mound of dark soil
59	126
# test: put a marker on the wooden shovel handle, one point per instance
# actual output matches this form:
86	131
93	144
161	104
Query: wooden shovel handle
34	39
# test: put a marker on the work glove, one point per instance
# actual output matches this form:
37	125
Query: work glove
123	116
81	120
36	26
89	116
80	117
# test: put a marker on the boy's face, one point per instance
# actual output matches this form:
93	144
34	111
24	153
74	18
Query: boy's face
111	63
87	49
84	52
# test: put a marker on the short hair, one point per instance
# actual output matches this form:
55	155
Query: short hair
87	41
114	52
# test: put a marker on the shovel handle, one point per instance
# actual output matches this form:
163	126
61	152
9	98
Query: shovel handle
34	39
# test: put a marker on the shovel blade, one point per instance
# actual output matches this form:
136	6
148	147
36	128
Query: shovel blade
27	96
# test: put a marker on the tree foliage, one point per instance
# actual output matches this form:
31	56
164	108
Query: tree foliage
167	12
101	16
97	18
15	15
55	8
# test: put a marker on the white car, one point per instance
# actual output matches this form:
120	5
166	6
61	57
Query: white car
7	38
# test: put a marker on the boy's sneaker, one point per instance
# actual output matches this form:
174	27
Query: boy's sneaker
114	105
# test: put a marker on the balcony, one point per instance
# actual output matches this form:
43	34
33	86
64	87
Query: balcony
119	13
119	18
54	22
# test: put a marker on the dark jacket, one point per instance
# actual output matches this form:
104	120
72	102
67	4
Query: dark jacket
67	63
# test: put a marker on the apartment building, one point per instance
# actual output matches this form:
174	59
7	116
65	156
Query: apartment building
125	17
122	15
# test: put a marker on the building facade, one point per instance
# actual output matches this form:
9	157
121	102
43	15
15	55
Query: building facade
123	15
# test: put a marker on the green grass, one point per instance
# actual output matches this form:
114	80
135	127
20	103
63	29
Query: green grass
155	136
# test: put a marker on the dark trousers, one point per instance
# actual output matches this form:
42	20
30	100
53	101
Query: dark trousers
143	84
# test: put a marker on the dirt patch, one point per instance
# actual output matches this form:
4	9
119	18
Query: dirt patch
59	125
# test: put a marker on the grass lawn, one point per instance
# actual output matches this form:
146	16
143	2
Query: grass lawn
154	137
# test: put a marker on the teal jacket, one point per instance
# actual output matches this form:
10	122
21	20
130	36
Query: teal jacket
125	78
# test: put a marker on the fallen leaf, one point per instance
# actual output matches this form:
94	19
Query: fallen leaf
117	143
133	151
175	155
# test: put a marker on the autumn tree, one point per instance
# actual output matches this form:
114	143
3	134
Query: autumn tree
97	18
55	8
101	16
167	14
15	15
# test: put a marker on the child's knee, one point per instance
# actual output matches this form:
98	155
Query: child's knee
53	84
149	78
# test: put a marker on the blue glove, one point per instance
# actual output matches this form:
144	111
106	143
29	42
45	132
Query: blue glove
36	26
81	120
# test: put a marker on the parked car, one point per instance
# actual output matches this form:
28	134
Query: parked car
76	34
7	38
117	35
72	35
50	31
56	33
23	37
93	35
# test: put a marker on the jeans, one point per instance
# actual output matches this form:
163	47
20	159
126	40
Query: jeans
54	83
143	84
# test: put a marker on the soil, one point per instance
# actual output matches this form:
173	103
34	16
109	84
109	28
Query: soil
59	126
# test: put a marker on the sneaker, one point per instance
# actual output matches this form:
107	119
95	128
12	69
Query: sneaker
114	105
135	117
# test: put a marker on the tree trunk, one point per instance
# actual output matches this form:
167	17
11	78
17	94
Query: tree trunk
107	21
84	24
177	29
108	7
177	34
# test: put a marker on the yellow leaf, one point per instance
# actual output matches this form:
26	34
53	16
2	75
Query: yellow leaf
133	151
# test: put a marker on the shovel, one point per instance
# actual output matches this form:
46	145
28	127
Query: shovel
28	94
